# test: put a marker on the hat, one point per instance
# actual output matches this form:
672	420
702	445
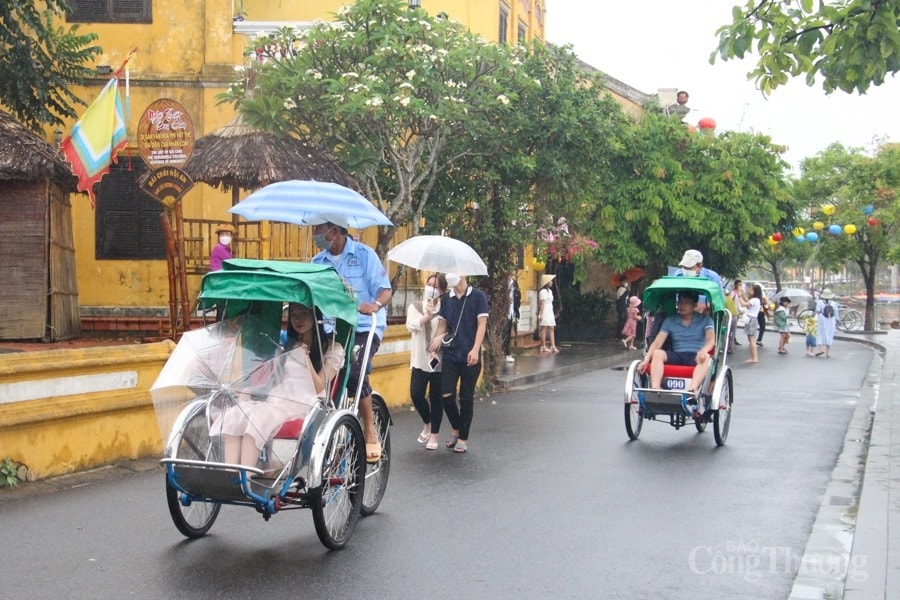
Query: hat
827	294
634	301
545	279
783	298
226	227
691	258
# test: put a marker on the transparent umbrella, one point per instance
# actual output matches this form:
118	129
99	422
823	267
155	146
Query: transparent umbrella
439	254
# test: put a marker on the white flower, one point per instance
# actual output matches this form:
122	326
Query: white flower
343	11
290	104
314	73
404	101
376	101
410	74
406	85
503	99
350	74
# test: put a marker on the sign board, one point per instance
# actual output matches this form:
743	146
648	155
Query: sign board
167	184
165	134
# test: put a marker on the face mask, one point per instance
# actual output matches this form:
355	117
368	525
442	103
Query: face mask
689	272
320	241
430	293
453	280
224	239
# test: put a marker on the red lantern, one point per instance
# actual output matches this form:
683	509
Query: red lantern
706	123
872	221
777	236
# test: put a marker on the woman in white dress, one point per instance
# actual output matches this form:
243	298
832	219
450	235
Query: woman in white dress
826	322
301	372
546	318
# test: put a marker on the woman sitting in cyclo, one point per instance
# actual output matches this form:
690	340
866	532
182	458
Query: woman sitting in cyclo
693	337
301	374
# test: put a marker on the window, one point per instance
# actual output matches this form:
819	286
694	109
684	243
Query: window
110	11
504	24
127	218
523	33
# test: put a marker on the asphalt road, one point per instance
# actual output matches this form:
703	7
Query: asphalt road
551	501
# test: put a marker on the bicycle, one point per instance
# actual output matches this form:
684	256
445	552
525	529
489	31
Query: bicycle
849	320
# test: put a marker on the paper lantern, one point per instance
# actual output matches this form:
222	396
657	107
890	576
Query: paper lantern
868	209
537	264
799	232
772	241
706	123
818	225
812	236
799	239
850	229
835	229
777	236
828	209
872	221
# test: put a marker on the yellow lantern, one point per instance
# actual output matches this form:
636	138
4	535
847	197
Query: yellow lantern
850	229
798	231
537	264
828	209
818	225
772	241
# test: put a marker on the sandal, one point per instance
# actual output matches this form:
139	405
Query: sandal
451	443
460	448
423	437
373	452
431	445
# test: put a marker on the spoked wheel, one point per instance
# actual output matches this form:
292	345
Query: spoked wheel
194	520
851	320
805	314
377	473
721	422
700	424
336	503
633	419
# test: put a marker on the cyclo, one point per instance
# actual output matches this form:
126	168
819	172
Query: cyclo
712	402
241	371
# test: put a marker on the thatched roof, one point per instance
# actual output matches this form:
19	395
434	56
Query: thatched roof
24	156
244	157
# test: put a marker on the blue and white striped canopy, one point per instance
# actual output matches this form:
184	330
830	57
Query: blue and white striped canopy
310	203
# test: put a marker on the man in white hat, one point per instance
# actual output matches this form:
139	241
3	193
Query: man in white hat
691	265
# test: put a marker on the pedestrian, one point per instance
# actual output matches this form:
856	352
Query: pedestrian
736	292
462	322
810	329
425	365
782	323
622	302
691	265
764	313
753	304
631	322
826	322
546	317
361	268
512	316
221	251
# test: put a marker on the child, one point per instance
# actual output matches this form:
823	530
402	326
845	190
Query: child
633	315
781	322
810	329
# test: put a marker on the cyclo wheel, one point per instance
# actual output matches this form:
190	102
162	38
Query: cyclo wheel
634	421
700	424
336	503
377	473
195	519
721	423
850	321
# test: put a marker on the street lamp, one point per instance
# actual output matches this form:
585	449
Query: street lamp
415	4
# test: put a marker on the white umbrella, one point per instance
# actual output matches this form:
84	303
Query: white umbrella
439	254
310	203
795	294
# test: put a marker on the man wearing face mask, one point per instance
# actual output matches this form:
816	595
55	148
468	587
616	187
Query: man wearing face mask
463	318
221	251
361	268
691	265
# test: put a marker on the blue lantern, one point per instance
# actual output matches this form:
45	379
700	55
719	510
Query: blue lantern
812	236
835	229
868	209
799	239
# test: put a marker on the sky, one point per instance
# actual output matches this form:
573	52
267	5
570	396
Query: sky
653	44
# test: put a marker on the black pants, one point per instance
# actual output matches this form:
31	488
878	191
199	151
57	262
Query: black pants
507	336
459	373
430	407
761	319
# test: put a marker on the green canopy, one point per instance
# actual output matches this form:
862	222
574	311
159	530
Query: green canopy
660	295
262	286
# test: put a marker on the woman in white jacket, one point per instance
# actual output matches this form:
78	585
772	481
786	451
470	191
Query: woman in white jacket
425	366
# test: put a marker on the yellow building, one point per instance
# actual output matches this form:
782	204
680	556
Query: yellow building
187	51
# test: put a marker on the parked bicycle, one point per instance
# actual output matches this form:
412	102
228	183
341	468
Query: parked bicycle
848	318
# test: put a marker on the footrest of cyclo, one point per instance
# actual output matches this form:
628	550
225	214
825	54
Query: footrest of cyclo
673	397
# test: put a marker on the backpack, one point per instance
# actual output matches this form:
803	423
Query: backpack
828	310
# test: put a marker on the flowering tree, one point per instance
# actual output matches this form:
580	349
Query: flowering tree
385	88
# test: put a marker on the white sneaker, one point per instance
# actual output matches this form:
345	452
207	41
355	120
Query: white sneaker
510	359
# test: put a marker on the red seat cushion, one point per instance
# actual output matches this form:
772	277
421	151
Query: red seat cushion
682	371
290	430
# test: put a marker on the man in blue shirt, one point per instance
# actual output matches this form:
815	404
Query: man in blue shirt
693	336
463	318
360	266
